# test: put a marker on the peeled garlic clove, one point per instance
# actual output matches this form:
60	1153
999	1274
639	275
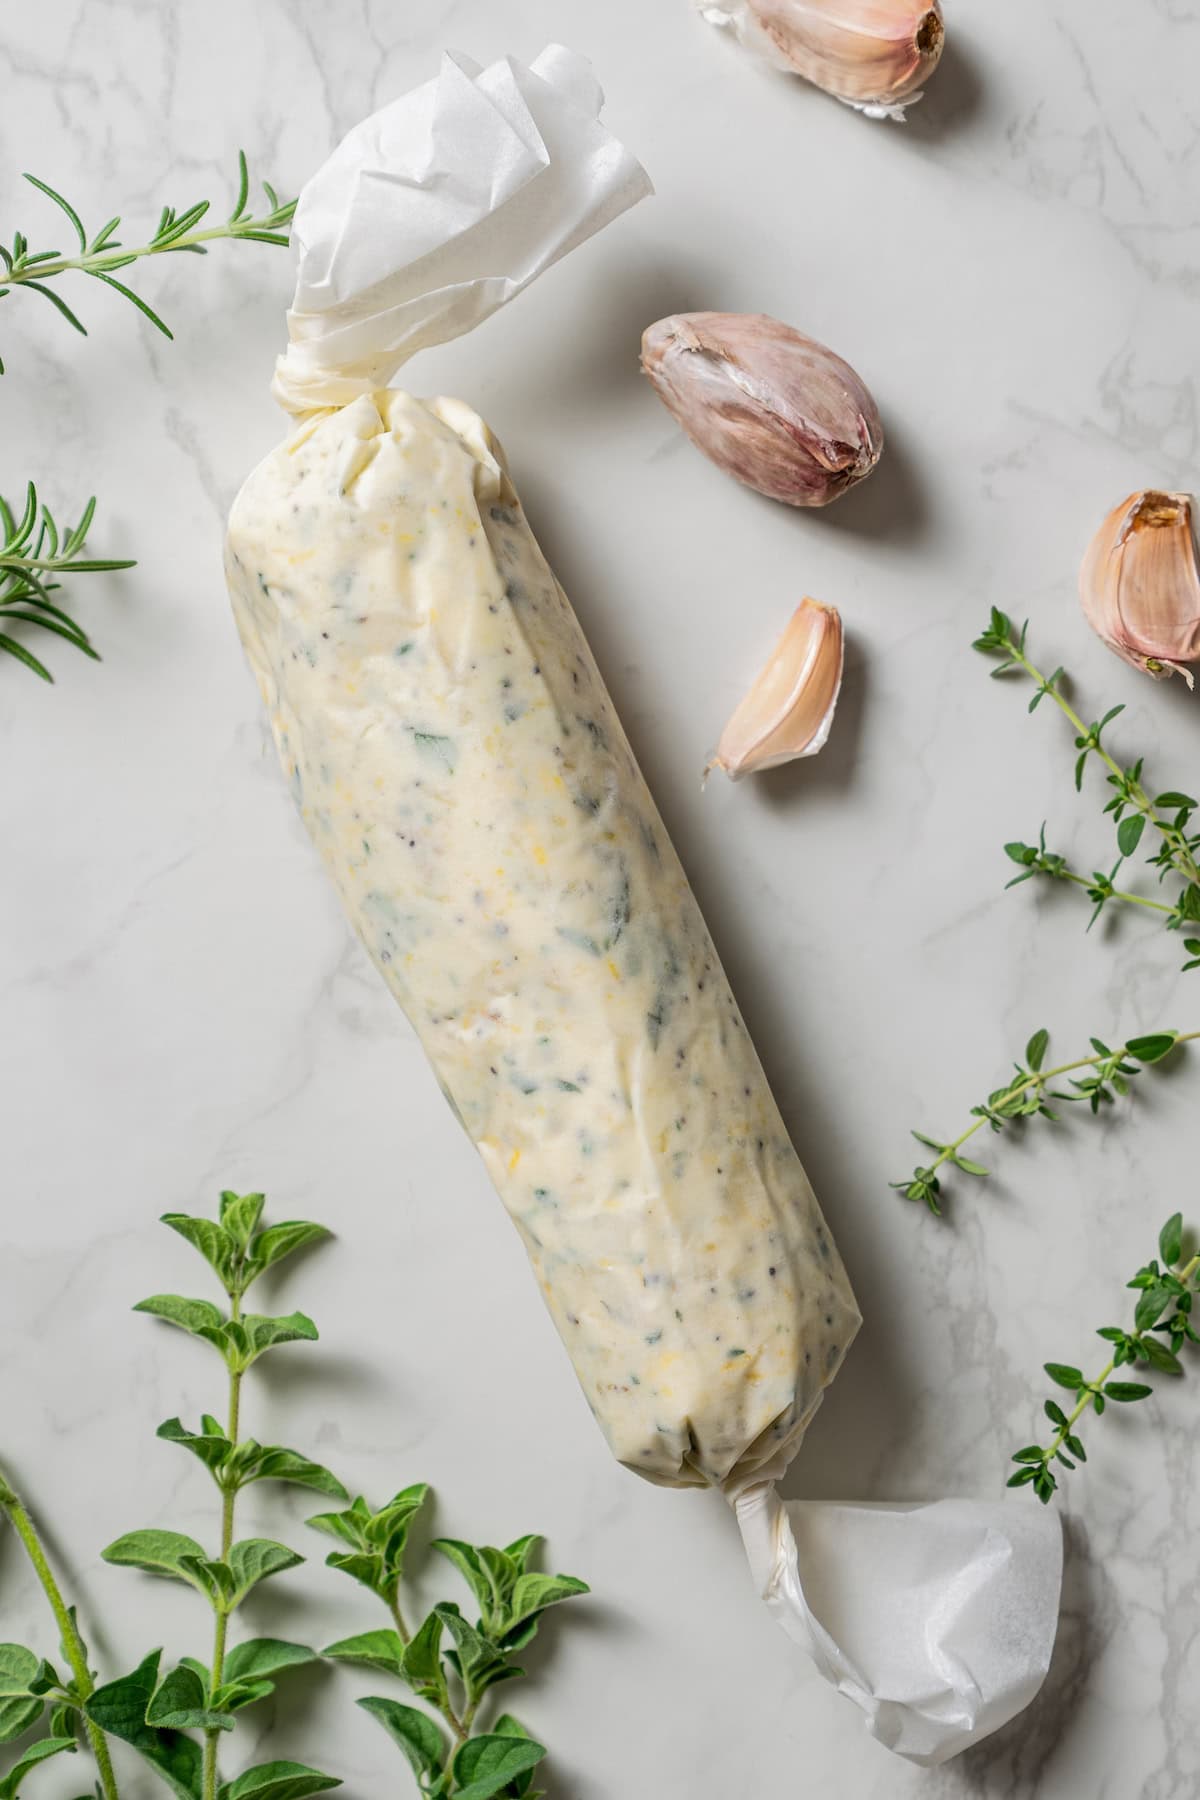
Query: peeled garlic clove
1140	584
873	54
771	407
789	710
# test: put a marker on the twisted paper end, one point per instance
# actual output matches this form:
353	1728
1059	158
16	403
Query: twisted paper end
438	210
938	1620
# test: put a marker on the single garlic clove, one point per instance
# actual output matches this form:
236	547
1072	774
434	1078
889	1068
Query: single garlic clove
1140	584
789	710
771	407
873	54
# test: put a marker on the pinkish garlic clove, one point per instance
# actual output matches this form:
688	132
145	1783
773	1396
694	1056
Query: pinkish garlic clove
873	54
1140	584
773	408
789	710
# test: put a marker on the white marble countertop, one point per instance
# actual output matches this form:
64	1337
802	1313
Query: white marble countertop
1015	274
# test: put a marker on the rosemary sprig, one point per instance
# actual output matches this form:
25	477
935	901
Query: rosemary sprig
101	252
33	554
1028	1095
1162	1325
1169	816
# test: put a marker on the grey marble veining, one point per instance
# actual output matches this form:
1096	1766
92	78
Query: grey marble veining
1016	273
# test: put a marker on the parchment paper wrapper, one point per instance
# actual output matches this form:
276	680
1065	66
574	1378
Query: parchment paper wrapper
440	207
938	1621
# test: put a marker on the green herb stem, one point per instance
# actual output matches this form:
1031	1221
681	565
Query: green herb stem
1162	1326
1028	1095
34	552
212	1736
106	259
1038	1078
26	1530
1087	881
393	1606
101	252
1089	737
1110	1368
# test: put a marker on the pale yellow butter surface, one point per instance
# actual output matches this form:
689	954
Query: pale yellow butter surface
467	783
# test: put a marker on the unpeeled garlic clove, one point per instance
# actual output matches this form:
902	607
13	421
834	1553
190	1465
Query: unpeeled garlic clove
789	710
771	407
873	54
1140	584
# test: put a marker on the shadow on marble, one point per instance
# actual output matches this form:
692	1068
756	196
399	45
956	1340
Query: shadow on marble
1020	1757
596	370
1183	701
333	1373
893	505
955	97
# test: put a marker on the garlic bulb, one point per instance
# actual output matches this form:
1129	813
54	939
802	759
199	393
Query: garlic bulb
873	54
789	710
1140	584
771	407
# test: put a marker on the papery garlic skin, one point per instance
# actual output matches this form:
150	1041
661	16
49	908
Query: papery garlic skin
1140	584
875	55
789	710
773	408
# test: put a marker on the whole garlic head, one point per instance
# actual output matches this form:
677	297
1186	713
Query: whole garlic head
789	710
1140	584
873	54
773	408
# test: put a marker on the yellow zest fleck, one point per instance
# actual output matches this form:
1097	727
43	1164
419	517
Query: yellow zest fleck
301	556
539	855
513	1160
613	970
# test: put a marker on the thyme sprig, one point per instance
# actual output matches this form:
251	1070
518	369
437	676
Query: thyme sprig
1028	1095
101	253
1162	1325
34	553
1169	816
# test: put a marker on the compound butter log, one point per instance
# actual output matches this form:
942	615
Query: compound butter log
463	774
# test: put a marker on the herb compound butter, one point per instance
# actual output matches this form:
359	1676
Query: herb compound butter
463	774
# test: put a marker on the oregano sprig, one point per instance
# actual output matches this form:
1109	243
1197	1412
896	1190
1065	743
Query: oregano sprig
1168	817
30	1686
101	253
1028	1095
447	1661
175	1719
33	555
1162	1325
205	1696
